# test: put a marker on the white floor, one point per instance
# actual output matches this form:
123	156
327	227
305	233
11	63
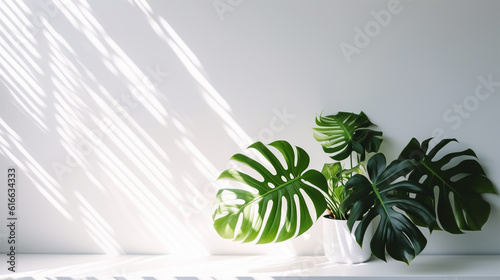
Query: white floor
257	267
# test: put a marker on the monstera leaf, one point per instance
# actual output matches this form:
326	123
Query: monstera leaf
343	133
381	197
274	208
460	181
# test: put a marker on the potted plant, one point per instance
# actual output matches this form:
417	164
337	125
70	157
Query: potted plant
339	243
346	138
283	198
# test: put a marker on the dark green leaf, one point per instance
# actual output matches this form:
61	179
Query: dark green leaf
344	133
381	196
460	181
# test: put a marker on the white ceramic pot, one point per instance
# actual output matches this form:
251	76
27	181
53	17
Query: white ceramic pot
340	245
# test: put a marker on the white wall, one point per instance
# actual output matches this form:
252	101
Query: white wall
119	115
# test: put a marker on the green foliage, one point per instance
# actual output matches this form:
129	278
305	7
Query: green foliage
460	181
344	133
436	189
337	177
274	209
345	137
378	197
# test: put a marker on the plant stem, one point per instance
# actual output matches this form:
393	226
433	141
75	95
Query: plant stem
350	160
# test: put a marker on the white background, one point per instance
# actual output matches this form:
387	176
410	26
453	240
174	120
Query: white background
120	115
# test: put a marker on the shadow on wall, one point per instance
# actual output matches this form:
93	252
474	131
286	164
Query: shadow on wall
93	134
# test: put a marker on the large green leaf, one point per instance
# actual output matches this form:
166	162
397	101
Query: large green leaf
460	181
345	132
381	197
273	209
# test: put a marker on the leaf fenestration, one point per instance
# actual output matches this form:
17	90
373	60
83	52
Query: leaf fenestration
460	181
380	196
240	214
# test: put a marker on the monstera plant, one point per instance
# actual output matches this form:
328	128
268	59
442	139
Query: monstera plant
280	197
346	138
403	194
